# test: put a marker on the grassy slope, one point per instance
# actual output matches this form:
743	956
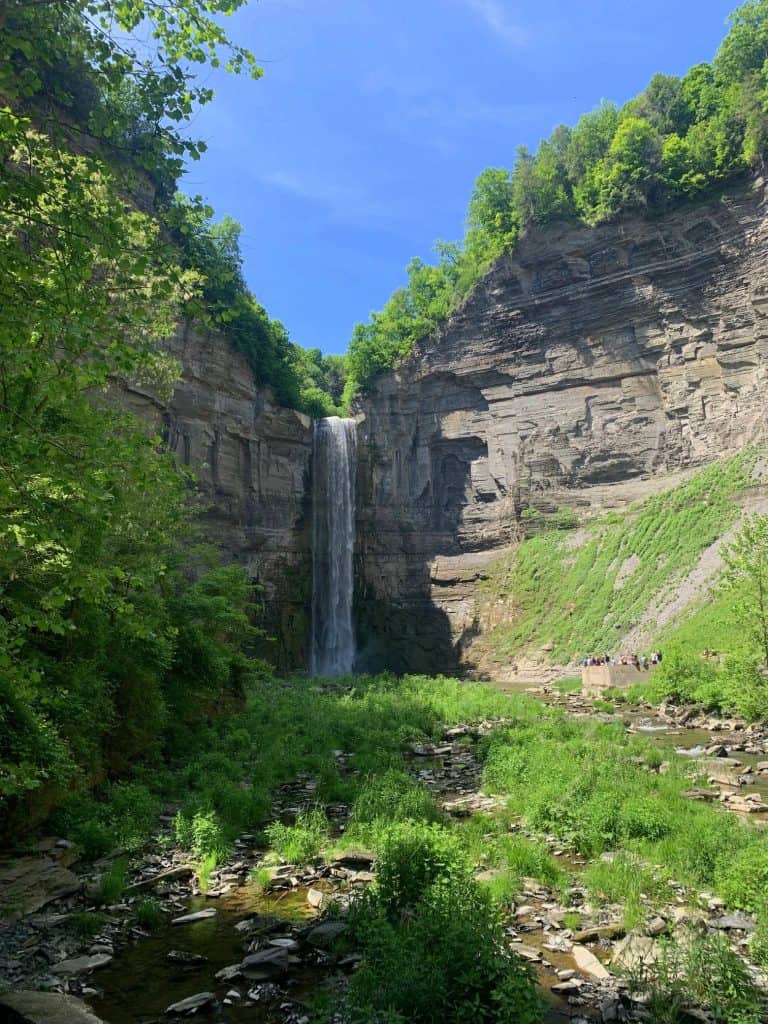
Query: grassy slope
572	596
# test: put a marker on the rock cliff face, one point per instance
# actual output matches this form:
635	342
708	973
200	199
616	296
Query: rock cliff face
251	460
591	361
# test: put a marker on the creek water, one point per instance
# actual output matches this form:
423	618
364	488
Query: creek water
333	545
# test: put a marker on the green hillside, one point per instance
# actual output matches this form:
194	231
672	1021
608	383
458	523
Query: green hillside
575	593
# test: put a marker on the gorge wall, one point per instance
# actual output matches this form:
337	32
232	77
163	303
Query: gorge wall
251	461
590	362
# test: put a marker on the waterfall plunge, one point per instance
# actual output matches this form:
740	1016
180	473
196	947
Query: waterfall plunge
333	544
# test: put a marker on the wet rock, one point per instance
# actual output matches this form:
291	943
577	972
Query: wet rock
81	964
229	973
198	915
265	993
358	860
45	1008
180	956
291	945
733	922
266	964
192	1003
528	953
602	931
567	987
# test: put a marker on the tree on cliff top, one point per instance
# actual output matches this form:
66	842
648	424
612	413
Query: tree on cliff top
680	138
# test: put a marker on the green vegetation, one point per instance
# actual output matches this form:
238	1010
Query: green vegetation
114	633
581	599
301	842
86	924
598	790
112	882
623	878
737	686
149	913
385	799
679	140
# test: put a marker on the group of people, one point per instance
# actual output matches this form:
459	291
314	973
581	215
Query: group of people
635	660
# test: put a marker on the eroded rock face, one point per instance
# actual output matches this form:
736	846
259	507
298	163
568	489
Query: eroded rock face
251	459
592	361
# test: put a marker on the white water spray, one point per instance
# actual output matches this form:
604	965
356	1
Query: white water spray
333	544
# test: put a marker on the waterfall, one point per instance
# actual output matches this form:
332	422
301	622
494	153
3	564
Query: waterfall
333	544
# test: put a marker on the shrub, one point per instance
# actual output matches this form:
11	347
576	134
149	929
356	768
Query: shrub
119	815
433	943
302	842
112	883
698	970
201	833
758	946
742	879
626	880
386	799
413	857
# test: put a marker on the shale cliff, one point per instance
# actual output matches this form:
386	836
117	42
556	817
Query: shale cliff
251	460
580	372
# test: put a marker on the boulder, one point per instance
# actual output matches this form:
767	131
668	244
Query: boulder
45	1008
31	883
266	964
324	935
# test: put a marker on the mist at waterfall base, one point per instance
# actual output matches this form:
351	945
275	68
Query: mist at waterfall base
332	651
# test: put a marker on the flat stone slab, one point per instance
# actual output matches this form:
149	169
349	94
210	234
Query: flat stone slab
45	1008
266	964
31	883
588	964
198	915
191	1003
81	964
360	860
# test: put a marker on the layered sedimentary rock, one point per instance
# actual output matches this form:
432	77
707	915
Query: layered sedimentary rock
251	461
588	364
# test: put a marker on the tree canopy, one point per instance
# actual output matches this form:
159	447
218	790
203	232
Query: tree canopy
99	617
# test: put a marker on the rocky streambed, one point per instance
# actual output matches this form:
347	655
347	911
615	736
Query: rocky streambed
243	952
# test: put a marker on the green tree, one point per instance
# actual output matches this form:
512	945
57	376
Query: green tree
746	579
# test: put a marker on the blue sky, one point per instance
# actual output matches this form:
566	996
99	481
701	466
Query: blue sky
360	145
